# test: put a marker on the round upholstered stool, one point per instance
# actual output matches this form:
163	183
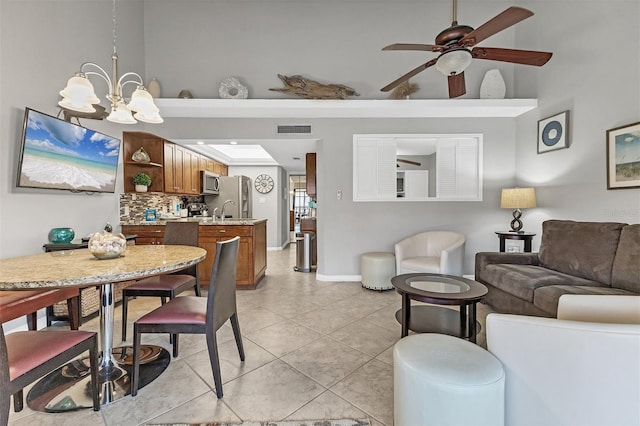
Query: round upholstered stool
444	380
377	269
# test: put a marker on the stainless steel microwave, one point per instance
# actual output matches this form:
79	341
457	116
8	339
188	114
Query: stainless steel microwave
210	183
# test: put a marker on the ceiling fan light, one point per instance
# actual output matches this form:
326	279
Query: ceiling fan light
454	62
121	114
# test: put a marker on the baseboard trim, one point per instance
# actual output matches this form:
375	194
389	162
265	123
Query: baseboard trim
350	278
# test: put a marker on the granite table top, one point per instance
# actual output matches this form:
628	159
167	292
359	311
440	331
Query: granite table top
79	268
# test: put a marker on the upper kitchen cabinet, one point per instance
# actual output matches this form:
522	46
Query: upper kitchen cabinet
136	143
173	168
421	167
311	174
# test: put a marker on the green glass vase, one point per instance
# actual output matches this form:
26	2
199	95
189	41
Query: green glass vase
61	235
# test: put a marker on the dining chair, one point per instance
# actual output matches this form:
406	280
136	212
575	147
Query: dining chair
26	356
197	315
167	285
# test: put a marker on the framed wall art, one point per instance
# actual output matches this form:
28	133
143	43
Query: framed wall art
553	132
623	157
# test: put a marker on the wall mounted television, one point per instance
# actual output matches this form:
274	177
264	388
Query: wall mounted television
57	154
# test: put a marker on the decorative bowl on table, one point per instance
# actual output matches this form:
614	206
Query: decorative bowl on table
61	235
107	245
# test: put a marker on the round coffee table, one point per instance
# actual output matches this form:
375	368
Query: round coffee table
438	289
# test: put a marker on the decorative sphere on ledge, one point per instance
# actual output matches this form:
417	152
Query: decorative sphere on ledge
61	235
105	245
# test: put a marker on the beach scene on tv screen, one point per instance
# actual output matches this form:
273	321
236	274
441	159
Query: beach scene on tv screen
61	155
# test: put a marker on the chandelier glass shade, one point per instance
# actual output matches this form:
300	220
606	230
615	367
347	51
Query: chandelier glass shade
79	94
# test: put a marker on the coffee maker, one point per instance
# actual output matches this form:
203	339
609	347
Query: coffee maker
195	209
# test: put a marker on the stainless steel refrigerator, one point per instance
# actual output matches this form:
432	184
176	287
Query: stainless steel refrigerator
232	188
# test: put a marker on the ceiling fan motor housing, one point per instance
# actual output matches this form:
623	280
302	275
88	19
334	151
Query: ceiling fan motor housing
452	35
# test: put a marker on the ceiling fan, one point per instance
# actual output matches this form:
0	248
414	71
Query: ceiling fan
455	45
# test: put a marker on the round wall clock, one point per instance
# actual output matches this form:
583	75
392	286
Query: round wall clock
263	184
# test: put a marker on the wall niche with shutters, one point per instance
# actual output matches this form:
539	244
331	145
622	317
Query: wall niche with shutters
417	167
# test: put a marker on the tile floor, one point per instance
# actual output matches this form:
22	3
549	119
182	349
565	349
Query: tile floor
314	350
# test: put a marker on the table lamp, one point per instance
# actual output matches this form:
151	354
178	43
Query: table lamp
517	198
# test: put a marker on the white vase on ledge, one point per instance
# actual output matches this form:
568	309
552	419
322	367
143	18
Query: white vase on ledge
141	188
493	86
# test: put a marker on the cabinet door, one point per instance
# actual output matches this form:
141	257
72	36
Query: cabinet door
374	160
311	174
195	173
458	168
179	168
416	184
169	168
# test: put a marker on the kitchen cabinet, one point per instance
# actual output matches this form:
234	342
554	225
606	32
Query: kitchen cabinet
173	169
252	250
310	160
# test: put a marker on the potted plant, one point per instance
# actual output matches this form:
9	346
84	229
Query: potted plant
142	181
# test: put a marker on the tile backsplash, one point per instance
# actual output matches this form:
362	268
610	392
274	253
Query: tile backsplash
133	205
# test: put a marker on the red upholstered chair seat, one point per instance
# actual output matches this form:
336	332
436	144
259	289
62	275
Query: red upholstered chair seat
162	283
29	349
181	310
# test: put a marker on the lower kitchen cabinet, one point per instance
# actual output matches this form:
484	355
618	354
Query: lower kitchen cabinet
252	250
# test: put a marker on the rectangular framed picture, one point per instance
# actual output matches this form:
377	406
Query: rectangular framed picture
623	157
553	132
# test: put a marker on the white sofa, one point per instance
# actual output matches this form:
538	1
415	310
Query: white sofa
569	371
438	252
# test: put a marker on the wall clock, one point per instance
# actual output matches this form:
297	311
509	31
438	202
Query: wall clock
263	184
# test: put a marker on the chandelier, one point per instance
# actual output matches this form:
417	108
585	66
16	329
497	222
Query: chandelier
80	96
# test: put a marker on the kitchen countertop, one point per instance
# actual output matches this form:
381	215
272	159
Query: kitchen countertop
202	221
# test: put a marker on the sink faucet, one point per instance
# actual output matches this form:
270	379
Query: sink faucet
223	206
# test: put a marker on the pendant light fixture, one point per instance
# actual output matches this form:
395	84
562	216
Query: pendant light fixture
80	96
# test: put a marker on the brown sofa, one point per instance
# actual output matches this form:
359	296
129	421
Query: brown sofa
574	258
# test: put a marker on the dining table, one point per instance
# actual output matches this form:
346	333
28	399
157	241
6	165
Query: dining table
68	387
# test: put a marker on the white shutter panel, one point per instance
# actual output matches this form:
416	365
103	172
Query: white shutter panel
467	170
446	168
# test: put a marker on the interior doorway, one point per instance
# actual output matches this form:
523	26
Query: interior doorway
298	202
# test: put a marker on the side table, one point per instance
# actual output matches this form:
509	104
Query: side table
510	235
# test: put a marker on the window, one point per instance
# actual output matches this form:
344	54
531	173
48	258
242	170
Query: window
421	167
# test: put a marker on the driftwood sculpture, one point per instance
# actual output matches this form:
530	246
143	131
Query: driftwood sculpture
309	89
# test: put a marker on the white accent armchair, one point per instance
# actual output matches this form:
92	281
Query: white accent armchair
438	252
567	371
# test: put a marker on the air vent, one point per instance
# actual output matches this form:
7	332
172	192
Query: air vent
294	129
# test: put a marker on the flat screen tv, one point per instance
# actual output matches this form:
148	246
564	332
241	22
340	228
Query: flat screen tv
57	154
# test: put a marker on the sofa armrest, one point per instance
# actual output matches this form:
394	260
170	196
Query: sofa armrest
599	308
491	258
567	372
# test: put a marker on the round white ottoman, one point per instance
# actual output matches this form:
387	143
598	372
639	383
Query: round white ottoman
444	380
377	269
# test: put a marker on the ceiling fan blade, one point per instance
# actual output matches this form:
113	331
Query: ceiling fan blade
415	163
456	85
408	75
414	46
509	17
516	56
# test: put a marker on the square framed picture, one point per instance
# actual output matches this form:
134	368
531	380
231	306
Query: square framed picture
623	157
553	132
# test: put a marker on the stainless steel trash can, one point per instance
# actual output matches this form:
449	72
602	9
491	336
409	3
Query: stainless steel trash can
303	251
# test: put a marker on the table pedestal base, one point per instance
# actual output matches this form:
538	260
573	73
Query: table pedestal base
434	319
68	388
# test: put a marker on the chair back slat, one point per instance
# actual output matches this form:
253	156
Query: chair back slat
183	234
221	296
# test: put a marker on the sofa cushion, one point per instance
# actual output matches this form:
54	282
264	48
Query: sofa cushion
626	265
581	249
522	280
546	298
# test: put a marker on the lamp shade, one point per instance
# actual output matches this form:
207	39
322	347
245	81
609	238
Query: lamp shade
142	101
453	62
121	114
518	198
79	95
